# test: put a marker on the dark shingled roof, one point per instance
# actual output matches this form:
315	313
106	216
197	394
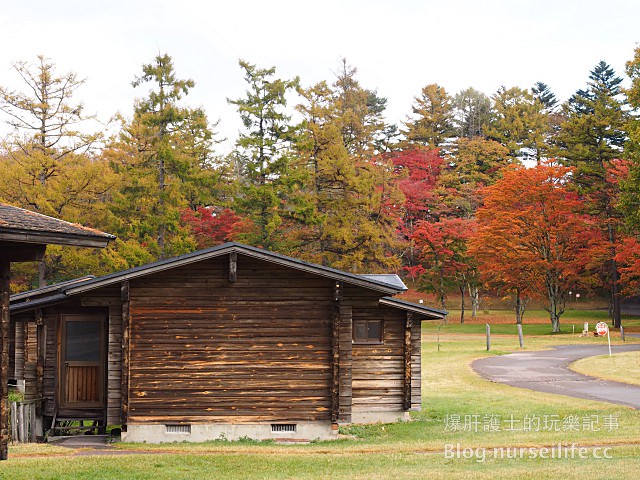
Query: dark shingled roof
389	284
23	226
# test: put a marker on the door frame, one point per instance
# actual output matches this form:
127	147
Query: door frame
93	314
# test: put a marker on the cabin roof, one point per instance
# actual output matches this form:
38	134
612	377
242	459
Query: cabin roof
386	284
18	225
427	312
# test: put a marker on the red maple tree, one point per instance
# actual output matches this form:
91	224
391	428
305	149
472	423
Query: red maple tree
210	226
532	235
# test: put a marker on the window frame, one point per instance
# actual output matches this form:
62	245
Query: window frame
356	340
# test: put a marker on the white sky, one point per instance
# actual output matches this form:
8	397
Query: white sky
398	46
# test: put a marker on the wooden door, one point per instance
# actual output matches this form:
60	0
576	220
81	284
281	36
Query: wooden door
82	361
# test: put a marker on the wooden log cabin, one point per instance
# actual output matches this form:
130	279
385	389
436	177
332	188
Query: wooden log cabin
24	236
226	342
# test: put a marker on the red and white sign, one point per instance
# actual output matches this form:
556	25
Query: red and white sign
602	328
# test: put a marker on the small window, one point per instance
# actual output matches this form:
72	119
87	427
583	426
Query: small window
367	331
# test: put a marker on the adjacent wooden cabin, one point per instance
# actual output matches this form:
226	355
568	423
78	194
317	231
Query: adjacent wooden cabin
24	236
226	342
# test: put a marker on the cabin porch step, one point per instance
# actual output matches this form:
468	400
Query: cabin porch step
69	425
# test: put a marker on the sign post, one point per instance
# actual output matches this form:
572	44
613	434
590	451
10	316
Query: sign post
602	328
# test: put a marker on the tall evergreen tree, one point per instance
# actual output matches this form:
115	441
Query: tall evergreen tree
472	113
518	123
359	112
542	93
593	135
351	223
267	182
162	154
49	168
630	198
432	120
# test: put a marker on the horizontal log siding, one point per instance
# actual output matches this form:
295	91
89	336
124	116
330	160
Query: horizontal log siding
107	299
204	349
378	370
114	365
50	361
416	370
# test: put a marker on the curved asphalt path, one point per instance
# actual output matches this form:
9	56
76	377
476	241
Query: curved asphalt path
548	371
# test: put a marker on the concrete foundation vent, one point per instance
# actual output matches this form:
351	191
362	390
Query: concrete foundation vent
184	429
283	428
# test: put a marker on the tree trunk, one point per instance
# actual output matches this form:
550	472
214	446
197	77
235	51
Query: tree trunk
474	294
520	306
555	323
462	303
615	278
556	302
42	273
162	227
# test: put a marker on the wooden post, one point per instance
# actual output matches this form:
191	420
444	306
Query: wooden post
41	341
124	379
407	361
622	333
5	273
488	328
335	354
233	267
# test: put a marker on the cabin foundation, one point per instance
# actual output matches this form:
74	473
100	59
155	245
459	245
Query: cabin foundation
168	433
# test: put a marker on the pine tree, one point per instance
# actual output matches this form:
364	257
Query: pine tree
351	222
593	135
267	182
472	113
432	121
518	123
49	166
163	157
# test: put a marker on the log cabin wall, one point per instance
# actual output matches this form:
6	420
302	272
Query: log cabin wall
226	342
378	369
108	301
416	367
50	382
16	341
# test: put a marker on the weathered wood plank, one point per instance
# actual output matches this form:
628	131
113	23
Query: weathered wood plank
346	364
41	342
259	348
5	273
125	296
407	361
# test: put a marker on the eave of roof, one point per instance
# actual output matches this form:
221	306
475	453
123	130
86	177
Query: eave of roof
389	278
230	247
76	287
56	287
18	225
41	302
427	312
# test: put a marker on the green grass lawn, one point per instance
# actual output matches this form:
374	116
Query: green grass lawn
621	367
459	409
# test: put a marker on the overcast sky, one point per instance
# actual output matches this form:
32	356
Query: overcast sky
397	46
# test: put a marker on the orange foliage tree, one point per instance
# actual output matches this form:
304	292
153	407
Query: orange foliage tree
532	237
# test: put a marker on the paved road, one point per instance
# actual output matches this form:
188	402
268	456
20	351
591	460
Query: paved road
548	371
